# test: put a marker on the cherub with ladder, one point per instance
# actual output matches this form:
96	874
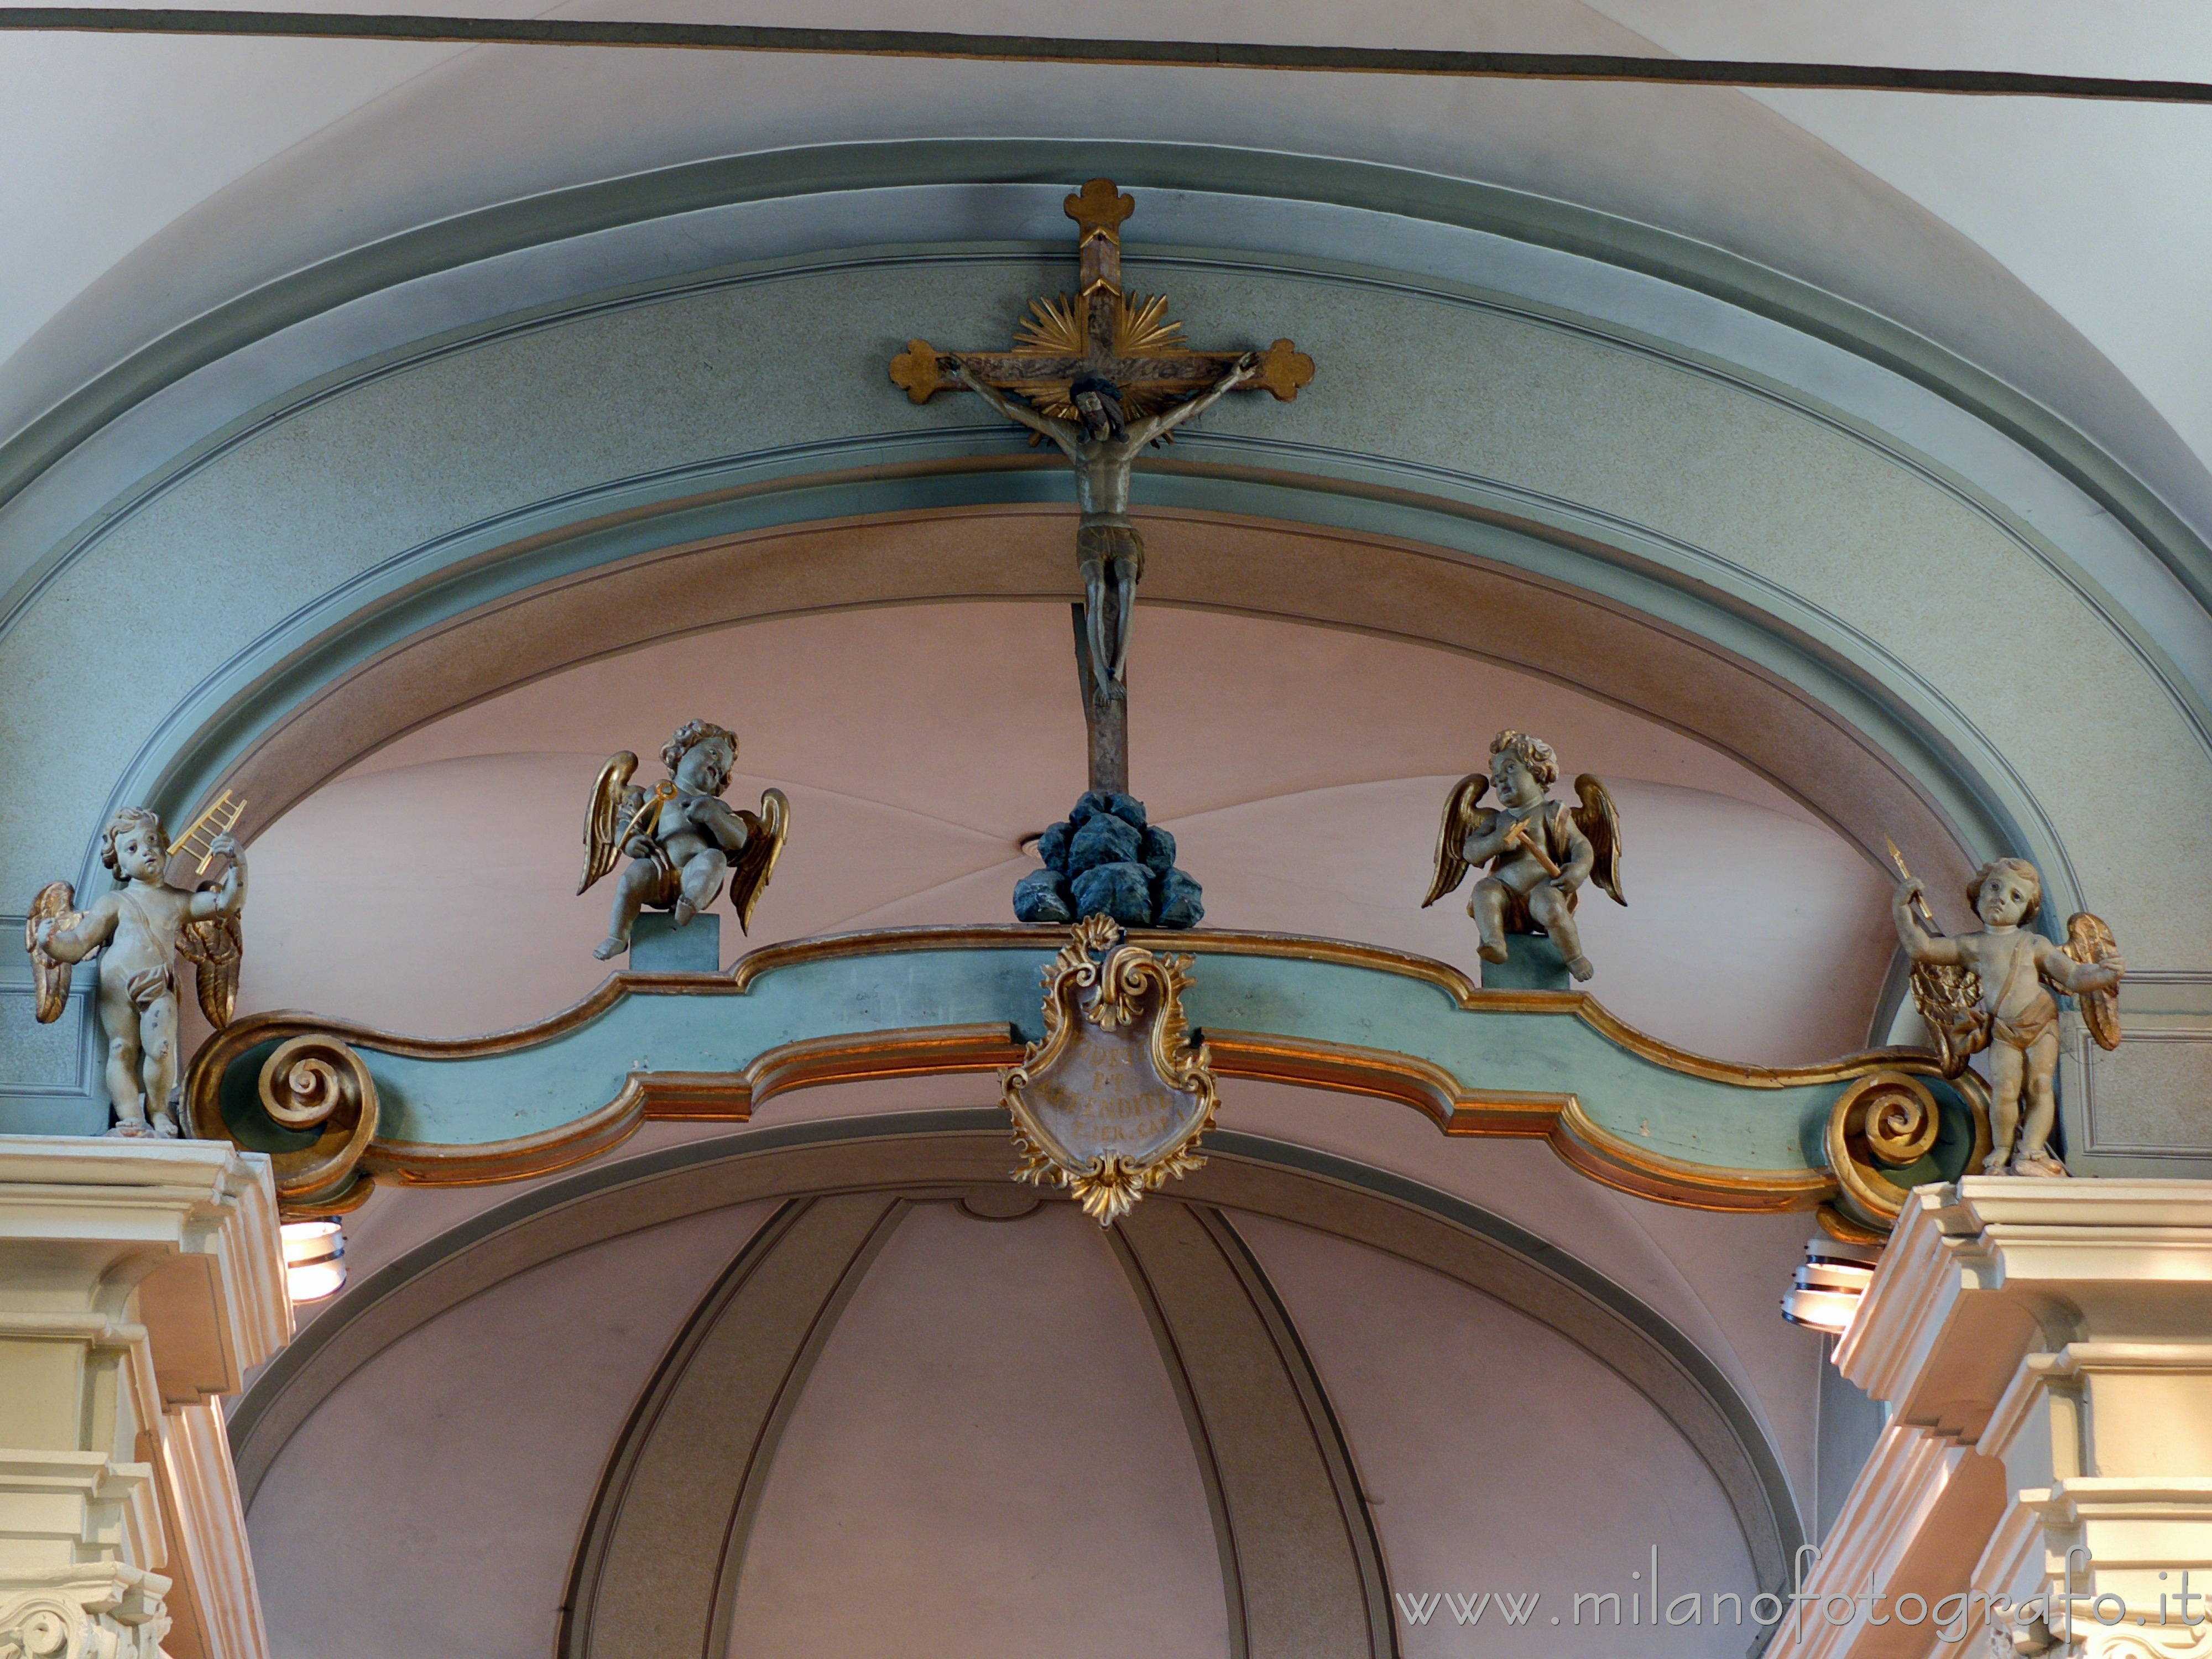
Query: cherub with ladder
139	929
1987	990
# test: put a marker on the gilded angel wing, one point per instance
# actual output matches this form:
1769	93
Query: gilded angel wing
603	823
2088	940
1950	1000
56	902
216	945
1600	821
1460	808
750	869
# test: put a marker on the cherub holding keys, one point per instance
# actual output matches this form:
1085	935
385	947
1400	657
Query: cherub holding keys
681	836
1539	851
139	929
2017	1021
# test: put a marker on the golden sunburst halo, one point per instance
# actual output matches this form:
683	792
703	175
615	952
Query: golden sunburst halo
1141	326
1055	328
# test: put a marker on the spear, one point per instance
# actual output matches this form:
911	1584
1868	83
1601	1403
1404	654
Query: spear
1919	902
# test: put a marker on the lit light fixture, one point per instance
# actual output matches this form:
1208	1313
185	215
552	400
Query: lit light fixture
314	1259
1825	1295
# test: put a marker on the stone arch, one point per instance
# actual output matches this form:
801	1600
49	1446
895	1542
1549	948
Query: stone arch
1697	670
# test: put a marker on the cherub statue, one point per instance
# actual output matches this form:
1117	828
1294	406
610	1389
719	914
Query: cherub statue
140	928
1103	446
680	834
1539	851
2018	1022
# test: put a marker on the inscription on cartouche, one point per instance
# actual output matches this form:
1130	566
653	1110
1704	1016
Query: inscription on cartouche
1106	1097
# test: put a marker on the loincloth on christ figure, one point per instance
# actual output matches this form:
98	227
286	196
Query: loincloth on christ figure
1097	546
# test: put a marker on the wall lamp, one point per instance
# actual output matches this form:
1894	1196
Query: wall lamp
314	1259
1824	1294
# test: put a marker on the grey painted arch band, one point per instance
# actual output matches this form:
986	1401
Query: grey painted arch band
1947	761
582	209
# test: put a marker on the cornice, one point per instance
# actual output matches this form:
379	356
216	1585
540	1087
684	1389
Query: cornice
1458	1106
193	1222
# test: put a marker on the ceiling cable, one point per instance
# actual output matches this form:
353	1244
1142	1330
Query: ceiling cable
1052	49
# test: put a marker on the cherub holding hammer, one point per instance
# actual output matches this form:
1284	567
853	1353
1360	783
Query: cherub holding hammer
1539	851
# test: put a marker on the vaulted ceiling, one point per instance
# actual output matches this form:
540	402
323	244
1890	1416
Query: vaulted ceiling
2056	245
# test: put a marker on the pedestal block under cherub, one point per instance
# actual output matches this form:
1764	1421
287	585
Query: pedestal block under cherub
1539	851
680	835
1985	990
139	929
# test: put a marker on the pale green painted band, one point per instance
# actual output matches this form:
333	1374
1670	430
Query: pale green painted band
557	216
547	1082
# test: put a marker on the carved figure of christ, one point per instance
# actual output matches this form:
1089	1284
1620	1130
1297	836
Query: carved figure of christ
1102	375
1109	550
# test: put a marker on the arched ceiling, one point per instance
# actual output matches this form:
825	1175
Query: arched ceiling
170	183
1034	1387
2052	244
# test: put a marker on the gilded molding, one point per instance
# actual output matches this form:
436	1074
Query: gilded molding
1471	998
314	1081
703	1096
1346	1068
424	1164
691	1096
1888	1119
871	1056
647	1096
1613	1161
830	947
1427	1086
1596	1152
311	1082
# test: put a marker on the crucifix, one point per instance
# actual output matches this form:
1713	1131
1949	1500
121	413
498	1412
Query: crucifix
1102	374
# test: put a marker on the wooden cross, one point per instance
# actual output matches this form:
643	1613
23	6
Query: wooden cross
1105	334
